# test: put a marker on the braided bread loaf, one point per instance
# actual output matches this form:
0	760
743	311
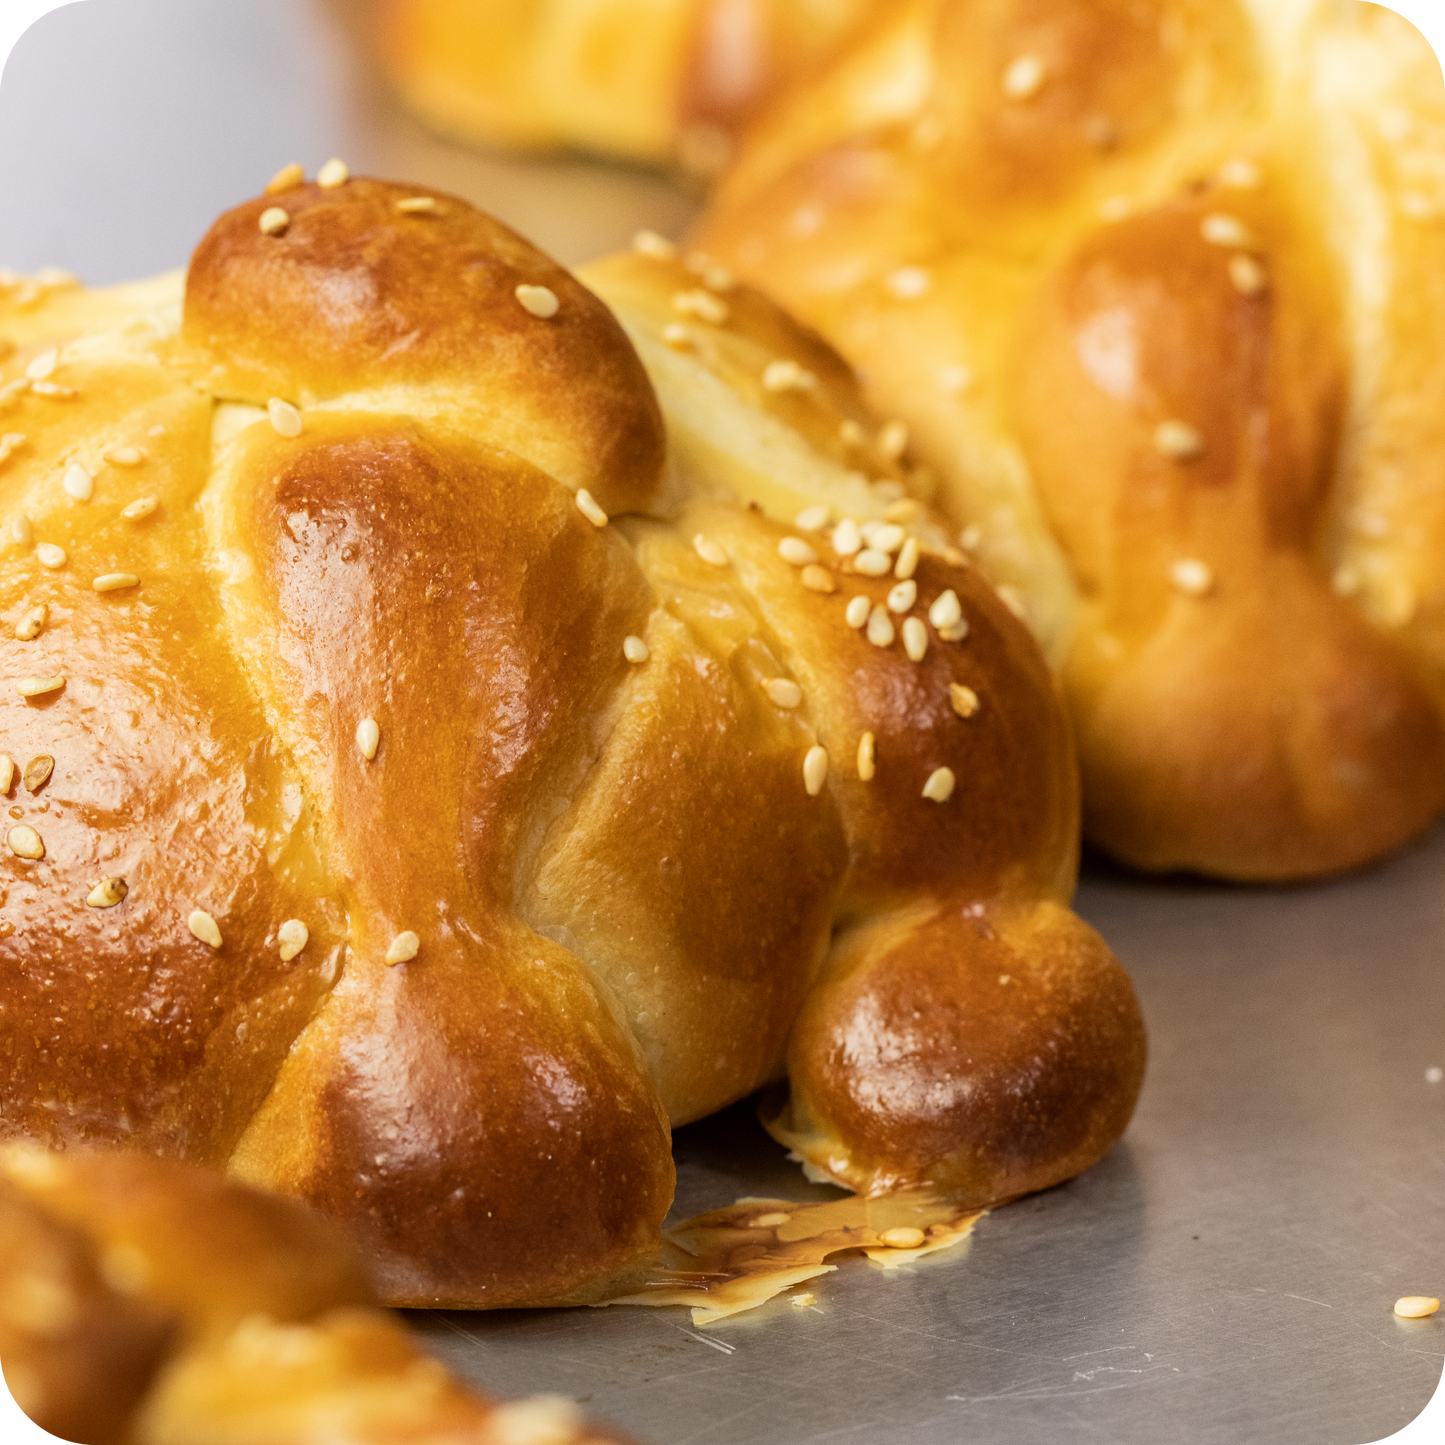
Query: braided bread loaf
416	841
1157	288
150	1303
651	80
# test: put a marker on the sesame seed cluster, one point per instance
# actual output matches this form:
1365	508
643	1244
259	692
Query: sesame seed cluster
457	730
1127	341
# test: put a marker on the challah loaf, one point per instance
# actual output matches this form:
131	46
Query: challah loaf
427	788
651	80
151	1303
1157	289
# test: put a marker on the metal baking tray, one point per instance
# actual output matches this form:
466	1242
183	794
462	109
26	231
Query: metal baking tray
1226	1274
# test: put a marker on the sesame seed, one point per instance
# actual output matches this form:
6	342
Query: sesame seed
124	456
1433	1075
945	610
538	301
284	417
368	737
858	611
909	282
404	948
39	686
1178	441
1241	174
915	639
1192	577
141	507
872	563
589	508
709	551
880	627
21	532
634	649
769	1221
701	304
940	785
78	483
715	276
37	772
115	581
785	374
1220	229
649	243
783	692
156	431
417	205
908	558
13	390
286	179
851	433
292	935
204	927
903	596
893	440
43	365
1416	1306
1011	598
1248	275
107	893
882	536
677	336
902	1238
24	842
847	539
815	770
31	622
867	757
1346	581
274	221
51	388
818	579
964	700
904	511
7	772
9	443
1024	78
796	552
957	631
333	174
813	519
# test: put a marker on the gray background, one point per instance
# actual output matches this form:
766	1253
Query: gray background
1226	1274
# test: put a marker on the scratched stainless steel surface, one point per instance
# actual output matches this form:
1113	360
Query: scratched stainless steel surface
1226	1274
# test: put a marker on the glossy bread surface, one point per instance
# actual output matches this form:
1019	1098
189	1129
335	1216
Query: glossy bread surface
1156	287
421	842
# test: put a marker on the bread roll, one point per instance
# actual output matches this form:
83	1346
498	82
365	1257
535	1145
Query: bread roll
1156	288
649	80
152	1303
452	786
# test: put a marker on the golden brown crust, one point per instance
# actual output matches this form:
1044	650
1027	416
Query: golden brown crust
356	294
651	80
379	681
152	1303
1137	278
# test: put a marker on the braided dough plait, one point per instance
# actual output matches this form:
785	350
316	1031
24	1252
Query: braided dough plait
465	838
151	1303
1157	288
